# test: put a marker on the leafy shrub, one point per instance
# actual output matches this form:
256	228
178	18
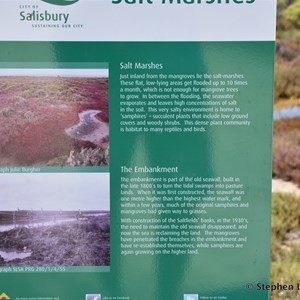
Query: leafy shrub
285	214
287	80
286	150
6	112
285	267
89	157
292	13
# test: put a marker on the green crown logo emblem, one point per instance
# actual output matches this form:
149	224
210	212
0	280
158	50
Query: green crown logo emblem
61	2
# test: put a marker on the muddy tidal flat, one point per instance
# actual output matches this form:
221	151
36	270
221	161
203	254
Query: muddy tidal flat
83	241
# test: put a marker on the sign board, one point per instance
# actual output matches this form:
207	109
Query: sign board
136	143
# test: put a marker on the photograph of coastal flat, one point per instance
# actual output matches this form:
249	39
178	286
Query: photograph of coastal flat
54	117
54	219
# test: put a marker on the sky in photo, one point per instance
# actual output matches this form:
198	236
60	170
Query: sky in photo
103	73
54	191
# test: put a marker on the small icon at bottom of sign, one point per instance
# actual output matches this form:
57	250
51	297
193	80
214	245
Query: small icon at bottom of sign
92	297
4	296
191	297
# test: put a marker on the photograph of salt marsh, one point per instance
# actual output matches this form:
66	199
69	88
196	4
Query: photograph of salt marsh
54	219
54	117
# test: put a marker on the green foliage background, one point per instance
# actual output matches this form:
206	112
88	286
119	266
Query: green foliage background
286	152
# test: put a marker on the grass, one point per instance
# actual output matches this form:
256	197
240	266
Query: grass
285	252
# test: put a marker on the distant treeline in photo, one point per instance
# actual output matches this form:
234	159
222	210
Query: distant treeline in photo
31	216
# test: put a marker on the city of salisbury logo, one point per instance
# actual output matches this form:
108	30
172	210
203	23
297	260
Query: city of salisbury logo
61	2
4	296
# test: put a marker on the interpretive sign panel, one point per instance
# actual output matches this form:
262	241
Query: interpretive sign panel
135	150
